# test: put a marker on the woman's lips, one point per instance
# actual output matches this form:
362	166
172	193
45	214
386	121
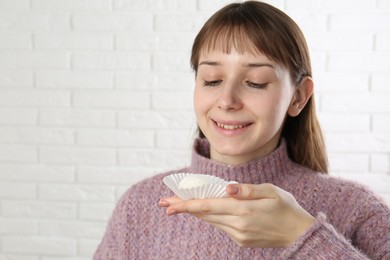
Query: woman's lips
230	126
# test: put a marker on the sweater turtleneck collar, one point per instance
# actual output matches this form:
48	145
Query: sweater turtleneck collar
267	169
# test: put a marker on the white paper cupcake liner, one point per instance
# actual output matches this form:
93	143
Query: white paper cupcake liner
215	187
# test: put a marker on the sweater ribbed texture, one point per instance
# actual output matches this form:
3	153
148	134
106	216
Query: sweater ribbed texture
351	221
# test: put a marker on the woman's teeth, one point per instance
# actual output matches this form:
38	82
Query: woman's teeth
230	127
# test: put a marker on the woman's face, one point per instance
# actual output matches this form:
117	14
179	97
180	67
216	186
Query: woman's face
241	101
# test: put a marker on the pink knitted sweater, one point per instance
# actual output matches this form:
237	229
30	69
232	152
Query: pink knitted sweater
351	222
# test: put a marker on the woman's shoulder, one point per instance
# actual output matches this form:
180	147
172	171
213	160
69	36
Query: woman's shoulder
331	189
342	185
343	193
328	183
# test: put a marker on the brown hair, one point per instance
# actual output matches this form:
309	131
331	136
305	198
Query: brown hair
261	28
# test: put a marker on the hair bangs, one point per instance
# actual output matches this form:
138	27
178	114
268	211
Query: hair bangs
228	37
241	30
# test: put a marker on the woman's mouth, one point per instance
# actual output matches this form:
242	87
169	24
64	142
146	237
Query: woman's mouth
231	127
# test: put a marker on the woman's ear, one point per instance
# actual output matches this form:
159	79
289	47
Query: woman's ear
301	95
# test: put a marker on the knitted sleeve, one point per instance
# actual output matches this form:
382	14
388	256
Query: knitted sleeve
128	229
113	244
370	240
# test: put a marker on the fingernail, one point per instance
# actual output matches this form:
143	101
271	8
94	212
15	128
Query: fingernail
163	203
171	212
232	189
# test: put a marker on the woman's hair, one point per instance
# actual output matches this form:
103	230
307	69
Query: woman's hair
258	27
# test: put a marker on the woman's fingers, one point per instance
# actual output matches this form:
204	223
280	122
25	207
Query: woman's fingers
240	195
167	201
251	191
223	206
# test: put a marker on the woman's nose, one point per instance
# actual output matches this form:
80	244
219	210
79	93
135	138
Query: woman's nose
229	98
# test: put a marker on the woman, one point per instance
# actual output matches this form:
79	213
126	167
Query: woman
257	125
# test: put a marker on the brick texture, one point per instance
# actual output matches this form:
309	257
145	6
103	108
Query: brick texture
97	95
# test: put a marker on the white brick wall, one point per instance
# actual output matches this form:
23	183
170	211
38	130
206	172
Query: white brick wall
97	95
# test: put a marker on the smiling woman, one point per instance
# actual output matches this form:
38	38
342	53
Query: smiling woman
255	110
241	101
273	40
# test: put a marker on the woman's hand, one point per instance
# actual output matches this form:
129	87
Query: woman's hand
253	216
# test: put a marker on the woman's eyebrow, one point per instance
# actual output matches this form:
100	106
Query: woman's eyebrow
259	64
250	65
211	63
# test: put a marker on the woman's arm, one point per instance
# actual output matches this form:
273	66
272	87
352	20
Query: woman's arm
267	216
322	241
113	244
370	239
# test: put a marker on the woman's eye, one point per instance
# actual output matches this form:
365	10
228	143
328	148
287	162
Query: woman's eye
257	85
212	83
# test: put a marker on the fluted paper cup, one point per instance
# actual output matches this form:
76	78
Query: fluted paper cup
201	186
